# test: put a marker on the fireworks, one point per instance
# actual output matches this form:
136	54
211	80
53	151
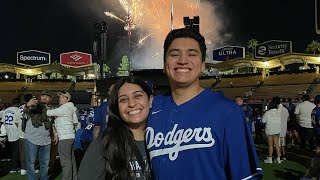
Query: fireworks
151	20
153	16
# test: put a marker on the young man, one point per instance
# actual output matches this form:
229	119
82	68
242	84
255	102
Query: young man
195	133
303	115
37	135
64	125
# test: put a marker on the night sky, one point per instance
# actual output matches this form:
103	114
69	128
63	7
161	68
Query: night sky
58	26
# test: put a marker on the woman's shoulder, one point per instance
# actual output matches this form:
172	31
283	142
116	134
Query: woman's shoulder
93	163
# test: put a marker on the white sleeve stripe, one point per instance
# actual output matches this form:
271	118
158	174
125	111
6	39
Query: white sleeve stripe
251	176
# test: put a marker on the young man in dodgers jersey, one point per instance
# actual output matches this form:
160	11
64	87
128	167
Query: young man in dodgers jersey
196	133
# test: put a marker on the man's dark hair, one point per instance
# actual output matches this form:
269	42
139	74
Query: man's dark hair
305	97
15	101
184	33
272	105
317	99
276	99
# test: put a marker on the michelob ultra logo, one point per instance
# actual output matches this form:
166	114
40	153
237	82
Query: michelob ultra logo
33	58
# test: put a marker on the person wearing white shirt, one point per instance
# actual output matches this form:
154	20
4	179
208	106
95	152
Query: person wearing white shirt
272	119
303	113
11	118
65	123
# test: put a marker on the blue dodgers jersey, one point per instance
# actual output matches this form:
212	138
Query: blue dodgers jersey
100	115
315	116
204	138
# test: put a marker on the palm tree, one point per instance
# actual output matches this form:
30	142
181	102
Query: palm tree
252	44
313	47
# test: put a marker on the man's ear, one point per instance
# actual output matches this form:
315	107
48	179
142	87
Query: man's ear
150	101
203	66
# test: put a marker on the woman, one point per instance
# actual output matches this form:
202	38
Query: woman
120	152
272	119
64	132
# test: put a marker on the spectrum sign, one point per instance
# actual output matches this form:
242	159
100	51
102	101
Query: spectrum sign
75	59
33	58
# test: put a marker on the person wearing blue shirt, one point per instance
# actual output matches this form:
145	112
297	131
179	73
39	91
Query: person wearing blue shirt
100	117
315	115
246	109
195	133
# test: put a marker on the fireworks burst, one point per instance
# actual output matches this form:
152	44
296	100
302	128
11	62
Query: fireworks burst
151	20
153	15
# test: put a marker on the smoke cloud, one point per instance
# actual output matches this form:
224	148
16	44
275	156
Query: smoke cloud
151	23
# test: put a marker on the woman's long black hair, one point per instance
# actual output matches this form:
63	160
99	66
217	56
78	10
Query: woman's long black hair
119	144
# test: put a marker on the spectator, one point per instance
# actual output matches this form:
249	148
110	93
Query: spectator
246	109
11	118
259	126
21	128
101	114
196	130
272	119
314	171
293	124
316	123
64	124
284	121
303	115
37	135
120	153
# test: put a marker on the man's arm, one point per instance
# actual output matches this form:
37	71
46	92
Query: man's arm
55	135
241	155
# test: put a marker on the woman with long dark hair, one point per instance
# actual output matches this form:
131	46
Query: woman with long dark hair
120	153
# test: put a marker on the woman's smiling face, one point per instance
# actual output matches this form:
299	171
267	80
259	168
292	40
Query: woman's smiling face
134	104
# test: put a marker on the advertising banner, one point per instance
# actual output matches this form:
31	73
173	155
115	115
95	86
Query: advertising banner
273	48
33	58
75	59
228	52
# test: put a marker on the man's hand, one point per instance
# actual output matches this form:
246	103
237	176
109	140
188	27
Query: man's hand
32	102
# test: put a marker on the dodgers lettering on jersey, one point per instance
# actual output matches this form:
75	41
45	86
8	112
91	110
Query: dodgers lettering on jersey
177	138
205	138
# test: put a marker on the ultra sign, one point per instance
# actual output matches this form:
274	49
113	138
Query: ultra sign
228	52
33	58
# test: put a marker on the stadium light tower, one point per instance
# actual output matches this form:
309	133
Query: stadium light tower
317	15
100	45
192	24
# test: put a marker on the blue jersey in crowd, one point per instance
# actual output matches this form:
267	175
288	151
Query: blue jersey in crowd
100	115
204	138
316	120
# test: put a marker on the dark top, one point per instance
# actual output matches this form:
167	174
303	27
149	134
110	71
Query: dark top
93	167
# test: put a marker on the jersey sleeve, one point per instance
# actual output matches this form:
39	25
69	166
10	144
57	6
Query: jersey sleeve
241	158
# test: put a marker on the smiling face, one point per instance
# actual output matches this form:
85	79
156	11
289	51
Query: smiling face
183	63
134	105
63	99
45	98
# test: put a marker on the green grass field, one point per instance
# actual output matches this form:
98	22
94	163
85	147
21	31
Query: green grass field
291	169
